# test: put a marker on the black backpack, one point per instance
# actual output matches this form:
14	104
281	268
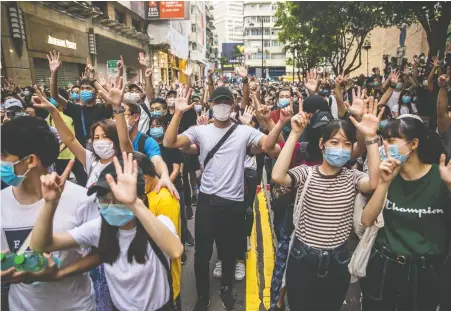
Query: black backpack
142	142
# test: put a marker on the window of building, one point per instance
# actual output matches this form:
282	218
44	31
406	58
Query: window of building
136	24
102	5
120	16
193	28
274	7
275	43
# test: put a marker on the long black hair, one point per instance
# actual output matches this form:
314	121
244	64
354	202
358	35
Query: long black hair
429	148
400	102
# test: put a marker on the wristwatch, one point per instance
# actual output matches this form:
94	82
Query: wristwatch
370	142
245	80
119	111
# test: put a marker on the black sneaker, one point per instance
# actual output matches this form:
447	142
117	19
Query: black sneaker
227	297
194	200
184	258
202	304
189	212
189	240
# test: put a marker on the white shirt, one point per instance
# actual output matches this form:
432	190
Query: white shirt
17	221
404	109
144	120
224	174
393	100
133	286
93	168
334	108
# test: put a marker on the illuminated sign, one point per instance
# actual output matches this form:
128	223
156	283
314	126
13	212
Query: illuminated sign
166	10
63	43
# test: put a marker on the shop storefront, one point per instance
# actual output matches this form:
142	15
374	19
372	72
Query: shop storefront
44	36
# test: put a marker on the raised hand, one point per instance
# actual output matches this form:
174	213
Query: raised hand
389	167
39	101
115	95
436	61
406	71
149	72
246	117
143	60
220	83
202	119
312	81
211	71
120	66
357	102
124	188
101	79
54	61
339	80
370	122
299	122
286	114
52	185
394	76
242	71
445	171
443	80
182	103
188	71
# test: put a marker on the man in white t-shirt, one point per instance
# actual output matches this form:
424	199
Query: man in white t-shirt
28	149
221	210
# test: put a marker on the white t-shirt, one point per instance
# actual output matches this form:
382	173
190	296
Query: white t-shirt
133	286
393	100
404	109
334	107
17	221
144	120
224	174
93	168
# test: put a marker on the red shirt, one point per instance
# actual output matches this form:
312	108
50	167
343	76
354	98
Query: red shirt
303	161
275	115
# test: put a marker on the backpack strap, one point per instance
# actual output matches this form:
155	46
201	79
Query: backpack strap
302	152
146	109
219	144
142	142
164	262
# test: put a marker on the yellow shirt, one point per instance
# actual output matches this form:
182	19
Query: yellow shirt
66	154
163	203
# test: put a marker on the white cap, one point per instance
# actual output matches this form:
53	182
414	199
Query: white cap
410	116
12	102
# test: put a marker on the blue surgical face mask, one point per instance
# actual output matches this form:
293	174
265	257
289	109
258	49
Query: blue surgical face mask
324	93
26	93
198	108
399	85
377	84
337	156
283	102
156	132
406	99
116	214
86	96
394	152
8	176
383	124
75	96
53	102
156	114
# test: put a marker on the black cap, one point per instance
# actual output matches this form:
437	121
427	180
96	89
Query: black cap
314	103
222	92
102	184
320	118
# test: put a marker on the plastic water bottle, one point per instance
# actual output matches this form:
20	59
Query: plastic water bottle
7	260
30	262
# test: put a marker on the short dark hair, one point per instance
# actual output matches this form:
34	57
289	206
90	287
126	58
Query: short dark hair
86	81
74	86
160	100
27	135
171	92
145	164
134	108
335	126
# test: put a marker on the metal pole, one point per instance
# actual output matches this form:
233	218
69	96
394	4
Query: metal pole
262	47
294	62
367	63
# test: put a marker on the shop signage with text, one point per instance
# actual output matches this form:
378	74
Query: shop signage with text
166	10
63	43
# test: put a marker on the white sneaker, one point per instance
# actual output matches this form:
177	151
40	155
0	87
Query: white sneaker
217	272
248	239
240	271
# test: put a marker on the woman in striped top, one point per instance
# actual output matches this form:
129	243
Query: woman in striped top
317	272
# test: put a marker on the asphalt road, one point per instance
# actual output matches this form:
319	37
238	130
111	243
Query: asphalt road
258	263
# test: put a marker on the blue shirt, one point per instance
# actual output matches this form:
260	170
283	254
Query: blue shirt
151	147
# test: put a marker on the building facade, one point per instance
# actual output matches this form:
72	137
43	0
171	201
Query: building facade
264	53
100	31
228	22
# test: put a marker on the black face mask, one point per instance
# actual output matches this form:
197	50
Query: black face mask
324	93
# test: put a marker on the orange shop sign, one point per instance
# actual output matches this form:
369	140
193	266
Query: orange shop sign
166	10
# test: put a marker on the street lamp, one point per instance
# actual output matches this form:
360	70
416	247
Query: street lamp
367	46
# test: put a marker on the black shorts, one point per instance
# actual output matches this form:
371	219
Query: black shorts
191	162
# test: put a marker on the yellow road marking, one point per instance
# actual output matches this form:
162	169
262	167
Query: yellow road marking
268	249
252	275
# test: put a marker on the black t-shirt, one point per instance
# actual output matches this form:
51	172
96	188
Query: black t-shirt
189	119
172	156
423	103
91	115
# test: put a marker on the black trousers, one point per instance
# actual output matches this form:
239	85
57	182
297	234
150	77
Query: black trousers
222	221
280	204
317	280
393	283
250	178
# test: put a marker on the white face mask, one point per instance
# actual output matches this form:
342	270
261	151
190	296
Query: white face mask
198	108
171	102
425	83
103	148
221	112
132	98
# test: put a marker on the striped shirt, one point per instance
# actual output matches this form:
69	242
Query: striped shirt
328	206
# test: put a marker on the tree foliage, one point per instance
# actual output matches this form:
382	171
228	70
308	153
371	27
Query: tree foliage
337	30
